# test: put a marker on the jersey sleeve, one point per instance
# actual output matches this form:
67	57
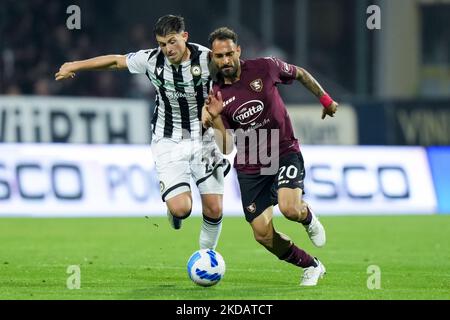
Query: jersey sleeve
137	61
280	71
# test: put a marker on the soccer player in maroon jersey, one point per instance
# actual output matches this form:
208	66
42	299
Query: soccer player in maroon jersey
245	106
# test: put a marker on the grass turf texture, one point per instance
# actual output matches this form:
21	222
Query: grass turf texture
142	258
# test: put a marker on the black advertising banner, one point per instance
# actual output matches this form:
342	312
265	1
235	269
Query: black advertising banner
417	122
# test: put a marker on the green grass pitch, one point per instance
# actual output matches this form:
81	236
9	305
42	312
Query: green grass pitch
142	258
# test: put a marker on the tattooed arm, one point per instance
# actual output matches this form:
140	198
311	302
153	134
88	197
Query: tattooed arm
314	87
309	82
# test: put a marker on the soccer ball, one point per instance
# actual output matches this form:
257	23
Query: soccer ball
206	267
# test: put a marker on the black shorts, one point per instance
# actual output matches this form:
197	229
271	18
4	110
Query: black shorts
259	192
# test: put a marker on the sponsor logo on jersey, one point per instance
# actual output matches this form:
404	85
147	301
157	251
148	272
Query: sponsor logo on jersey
159	70
177	94
248	112
257	125
256	85
161	186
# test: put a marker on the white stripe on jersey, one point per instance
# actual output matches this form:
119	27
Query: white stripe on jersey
169	120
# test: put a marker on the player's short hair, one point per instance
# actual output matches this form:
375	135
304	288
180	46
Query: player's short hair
222	33
168	24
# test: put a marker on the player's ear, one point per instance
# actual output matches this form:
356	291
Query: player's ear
185	36
238	51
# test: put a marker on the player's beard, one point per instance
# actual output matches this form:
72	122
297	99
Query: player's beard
229	74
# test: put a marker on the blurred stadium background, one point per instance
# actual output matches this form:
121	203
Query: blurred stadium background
79	148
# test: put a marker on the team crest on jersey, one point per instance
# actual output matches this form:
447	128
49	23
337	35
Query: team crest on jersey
252	208
256	85
196	70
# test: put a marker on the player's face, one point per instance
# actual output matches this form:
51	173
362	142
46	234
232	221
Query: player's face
225	54
173	46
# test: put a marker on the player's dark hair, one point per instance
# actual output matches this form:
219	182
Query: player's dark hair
222	33
168	24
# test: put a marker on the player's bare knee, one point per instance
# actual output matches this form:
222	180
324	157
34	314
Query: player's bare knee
213	210
290	210
180	206
180	210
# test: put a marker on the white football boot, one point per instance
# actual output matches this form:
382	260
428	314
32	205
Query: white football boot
311	275
174	221
315	230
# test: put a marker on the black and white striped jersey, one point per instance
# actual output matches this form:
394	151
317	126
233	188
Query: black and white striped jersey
181	90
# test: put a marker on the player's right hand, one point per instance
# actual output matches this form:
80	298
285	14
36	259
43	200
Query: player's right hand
214	103
206	118
65	71
330	111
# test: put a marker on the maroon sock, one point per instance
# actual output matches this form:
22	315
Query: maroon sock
308	218
298	257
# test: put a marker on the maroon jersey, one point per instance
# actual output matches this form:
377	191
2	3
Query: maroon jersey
253	104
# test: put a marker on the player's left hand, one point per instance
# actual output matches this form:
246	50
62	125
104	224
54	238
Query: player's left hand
330	111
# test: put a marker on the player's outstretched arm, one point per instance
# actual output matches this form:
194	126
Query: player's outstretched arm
68	69
329	106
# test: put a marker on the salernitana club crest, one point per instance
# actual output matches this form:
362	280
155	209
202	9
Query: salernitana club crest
256	85
252	207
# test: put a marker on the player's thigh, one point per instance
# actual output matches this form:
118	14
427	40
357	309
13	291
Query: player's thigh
256	194
290	180
172	168
208	168
289	199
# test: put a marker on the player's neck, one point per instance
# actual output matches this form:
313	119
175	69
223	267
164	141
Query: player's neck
186	55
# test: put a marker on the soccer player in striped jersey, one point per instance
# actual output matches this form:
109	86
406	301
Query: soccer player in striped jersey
179	72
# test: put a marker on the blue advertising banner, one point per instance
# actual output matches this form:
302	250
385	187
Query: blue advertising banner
439	159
